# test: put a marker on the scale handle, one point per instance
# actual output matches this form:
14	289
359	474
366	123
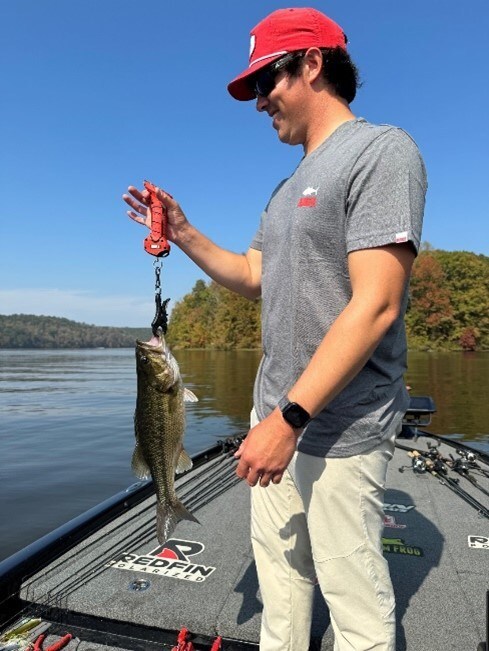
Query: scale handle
156	243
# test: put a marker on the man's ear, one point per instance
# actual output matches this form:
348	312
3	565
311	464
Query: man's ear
313	63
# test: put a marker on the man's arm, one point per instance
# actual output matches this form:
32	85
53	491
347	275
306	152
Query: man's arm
239	272
378	278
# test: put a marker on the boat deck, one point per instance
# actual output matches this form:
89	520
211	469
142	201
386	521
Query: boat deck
119	588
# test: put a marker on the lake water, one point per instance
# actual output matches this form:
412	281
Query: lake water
66	422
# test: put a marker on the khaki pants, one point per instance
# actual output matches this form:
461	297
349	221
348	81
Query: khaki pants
324	523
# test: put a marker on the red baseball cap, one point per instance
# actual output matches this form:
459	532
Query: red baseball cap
283	31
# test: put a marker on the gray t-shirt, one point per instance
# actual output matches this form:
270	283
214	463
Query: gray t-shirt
363	187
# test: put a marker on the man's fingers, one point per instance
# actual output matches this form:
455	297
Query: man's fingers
136	218
265	479
135	204
165	196
240	450
253	478
242	469
274	478
140	196
138	201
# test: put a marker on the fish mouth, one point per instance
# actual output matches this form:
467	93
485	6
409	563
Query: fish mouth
156	344
157	350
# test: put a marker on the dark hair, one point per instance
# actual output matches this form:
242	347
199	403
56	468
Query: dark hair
338	71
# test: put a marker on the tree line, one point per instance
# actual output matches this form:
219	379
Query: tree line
30	331
448	310
214	317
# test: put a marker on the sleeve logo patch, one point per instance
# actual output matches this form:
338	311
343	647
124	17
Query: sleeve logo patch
401	237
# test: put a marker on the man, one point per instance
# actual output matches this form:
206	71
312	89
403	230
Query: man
331	260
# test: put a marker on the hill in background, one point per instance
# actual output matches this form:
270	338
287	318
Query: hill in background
29	331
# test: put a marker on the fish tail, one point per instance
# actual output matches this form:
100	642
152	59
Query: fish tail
168	515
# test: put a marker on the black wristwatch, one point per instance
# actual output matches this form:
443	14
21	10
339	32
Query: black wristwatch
293	413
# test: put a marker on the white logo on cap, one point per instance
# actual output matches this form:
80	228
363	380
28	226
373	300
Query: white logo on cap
252	44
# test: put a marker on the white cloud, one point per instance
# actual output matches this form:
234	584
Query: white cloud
78	305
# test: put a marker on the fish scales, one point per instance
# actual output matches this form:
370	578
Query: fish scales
159	424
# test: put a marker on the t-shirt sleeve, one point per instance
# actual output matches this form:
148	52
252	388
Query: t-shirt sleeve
257	241
386	193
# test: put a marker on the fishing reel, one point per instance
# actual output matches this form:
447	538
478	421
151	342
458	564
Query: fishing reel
461	465
433	452
471	457
418	464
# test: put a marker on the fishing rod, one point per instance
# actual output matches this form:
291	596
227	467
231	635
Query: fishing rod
461	466
423	462
463	450
419	413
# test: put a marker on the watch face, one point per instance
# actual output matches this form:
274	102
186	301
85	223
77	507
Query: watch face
295	415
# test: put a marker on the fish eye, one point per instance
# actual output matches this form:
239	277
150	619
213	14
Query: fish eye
144	359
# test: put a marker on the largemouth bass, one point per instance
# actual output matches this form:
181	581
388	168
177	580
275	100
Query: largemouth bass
159	424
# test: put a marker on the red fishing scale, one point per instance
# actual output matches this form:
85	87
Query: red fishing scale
156	243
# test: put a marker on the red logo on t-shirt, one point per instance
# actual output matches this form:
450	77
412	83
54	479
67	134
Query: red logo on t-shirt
307	202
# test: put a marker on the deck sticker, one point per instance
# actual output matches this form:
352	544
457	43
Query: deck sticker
479	542
398	546
398	508
390	522
170	559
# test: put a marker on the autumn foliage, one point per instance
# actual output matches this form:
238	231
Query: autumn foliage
448	308
449	301
214	317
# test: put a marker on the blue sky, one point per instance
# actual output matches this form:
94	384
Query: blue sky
100	94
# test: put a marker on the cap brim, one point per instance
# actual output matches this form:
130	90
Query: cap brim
241	88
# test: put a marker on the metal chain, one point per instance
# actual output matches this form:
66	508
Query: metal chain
158	265
160	322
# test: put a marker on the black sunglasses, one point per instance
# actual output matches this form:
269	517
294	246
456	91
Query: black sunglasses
264	81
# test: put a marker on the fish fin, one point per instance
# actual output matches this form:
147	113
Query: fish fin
184	462
139	466
168	515
172	362
189	396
